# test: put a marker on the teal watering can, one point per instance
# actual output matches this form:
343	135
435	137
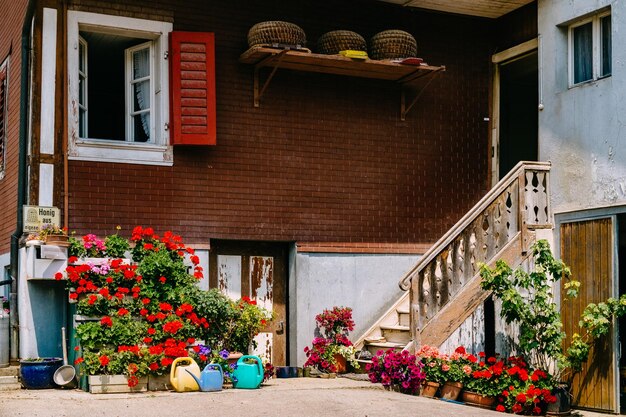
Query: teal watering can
211	378
248	375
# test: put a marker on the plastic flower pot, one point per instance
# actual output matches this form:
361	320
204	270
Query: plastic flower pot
39	373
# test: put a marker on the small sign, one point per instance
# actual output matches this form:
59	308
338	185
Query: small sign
37	217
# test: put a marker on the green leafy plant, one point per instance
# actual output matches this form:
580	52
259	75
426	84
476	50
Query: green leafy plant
247	321
527	301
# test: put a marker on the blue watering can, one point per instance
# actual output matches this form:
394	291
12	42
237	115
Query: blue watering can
248	375
211	378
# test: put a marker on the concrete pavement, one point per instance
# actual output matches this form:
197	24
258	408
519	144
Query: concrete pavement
279	397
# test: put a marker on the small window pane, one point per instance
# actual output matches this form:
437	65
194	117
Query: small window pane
141	127
141	63
141	94
605	42
583	53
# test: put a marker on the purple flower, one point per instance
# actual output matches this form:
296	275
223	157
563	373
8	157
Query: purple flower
224	354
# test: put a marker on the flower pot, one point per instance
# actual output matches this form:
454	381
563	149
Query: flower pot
563	401
429	389
478	400
234	357
102	384
57	240
340	364
451	390
39	373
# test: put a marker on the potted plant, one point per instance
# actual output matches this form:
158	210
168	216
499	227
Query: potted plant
399	371
246	320
38	373
53	235
434	375
332	350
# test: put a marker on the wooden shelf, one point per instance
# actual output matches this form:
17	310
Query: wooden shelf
298	60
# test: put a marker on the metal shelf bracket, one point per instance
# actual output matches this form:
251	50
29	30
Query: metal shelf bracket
270	61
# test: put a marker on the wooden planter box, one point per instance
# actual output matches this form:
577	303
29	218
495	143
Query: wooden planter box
102	384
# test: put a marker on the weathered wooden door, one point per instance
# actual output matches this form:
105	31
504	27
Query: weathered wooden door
256	270
587	247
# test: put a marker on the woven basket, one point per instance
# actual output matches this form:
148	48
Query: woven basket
392	44
275	31
340	40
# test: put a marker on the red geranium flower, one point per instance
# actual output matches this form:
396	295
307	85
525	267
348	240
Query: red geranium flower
104	360
500	408
106	321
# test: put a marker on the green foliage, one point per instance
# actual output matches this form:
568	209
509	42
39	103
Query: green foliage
76	248
219	312
527	301
116	246
247	322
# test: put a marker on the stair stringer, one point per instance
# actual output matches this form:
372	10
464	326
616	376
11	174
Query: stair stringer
438	329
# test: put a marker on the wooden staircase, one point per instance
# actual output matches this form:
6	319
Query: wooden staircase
444	286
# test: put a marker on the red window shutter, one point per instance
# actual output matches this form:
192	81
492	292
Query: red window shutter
192	88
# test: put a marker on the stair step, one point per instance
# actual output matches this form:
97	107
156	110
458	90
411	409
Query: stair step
8	383
398	328
10	371
376	346
404	317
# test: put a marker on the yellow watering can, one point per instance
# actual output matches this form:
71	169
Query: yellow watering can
181	374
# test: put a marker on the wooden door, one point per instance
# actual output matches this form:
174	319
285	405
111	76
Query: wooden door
256	270
587	247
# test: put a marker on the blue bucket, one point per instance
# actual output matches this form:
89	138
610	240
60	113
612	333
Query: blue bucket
39	373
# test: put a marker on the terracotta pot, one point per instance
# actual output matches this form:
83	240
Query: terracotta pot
340	363
451	390
429	389
234	357
478	400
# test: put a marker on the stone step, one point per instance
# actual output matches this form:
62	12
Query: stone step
10	371
8	383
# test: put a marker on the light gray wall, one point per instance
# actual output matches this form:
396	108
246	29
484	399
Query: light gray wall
5	260
368	283
582	130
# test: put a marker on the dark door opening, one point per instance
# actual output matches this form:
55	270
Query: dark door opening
621	270
518	124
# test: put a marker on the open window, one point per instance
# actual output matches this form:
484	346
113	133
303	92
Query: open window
118	88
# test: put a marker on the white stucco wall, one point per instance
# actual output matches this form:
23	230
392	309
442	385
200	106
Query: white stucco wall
582	130
367	283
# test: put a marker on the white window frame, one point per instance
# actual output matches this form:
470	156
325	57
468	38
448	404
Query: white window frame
157	152
130	131
85	77
596	54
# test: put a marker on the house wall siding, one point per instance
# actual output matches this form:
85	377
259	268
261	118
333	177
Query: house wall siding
581	128
325	158
11	19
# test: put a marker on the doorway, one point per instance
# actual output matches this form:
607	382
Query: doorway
516	97
257	270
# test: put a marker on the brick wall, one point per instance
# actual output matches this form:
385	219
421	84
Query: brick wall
325	158
11	19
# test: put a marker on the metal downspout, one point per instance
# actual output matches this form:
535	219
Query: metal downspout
21	173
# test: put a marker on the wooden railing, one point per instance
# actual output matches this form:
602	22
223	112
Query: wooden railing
500	226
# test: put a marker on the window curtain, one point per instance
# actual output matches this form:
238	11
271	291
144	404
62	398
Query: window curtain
141	69
583	53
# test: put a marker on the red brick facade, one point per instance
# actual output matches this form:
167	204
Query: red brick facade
11	19
325	158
